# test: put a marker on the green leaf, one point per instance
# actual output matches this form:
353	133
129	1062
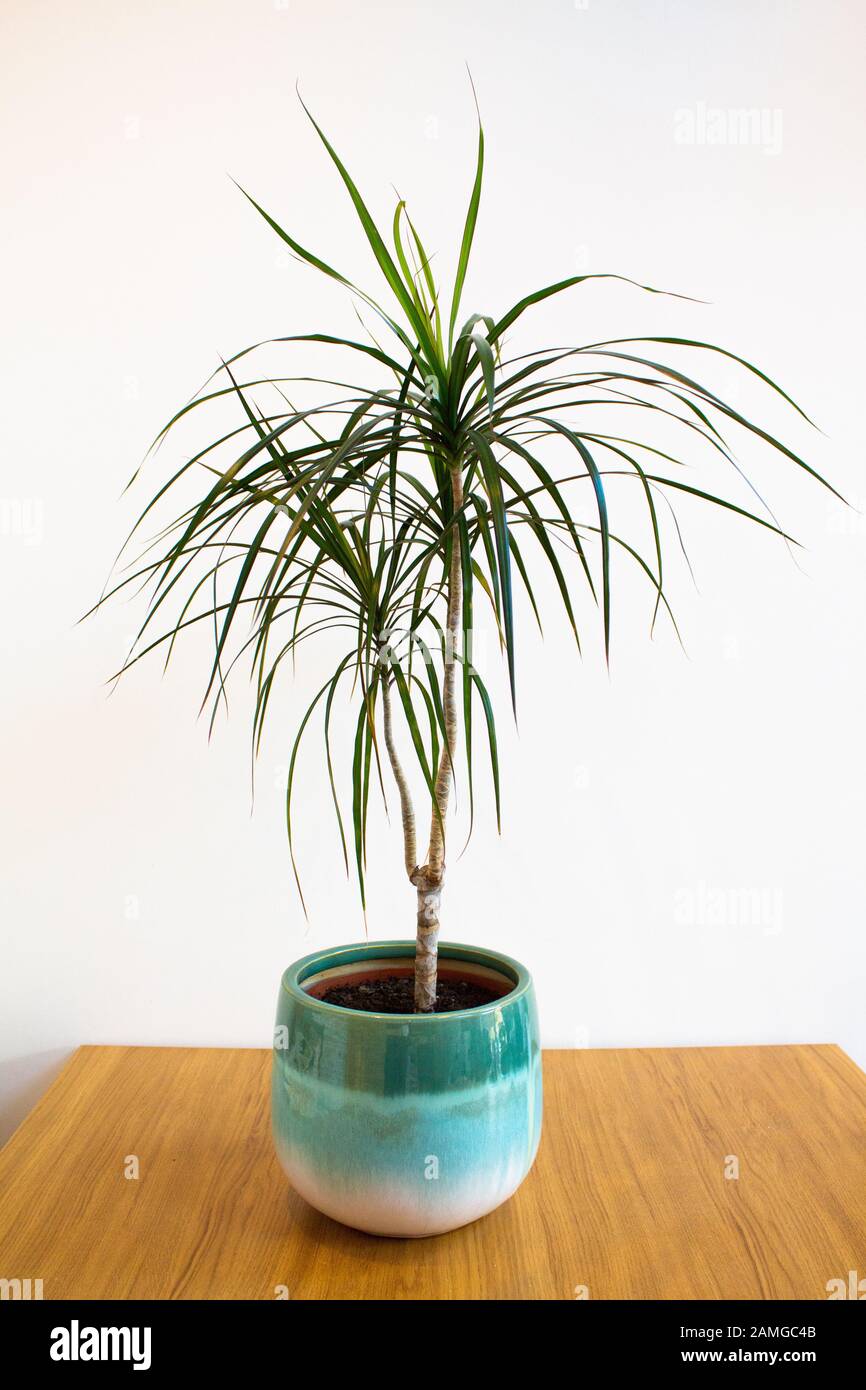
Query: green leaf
539	295
601	503
493	487
402	292
468	235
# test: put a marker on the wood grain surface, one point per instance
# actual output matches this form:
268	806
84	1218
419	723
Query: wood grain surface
629	1197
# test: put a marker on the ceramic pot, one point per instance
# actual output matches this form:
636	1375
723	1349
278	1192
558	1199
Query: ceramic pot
406	1124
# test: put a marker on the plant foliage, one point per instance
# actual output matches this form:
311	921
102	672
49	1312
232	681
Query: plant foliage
340	518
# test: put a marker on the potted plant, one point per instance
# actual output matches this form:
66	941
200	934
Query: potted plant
388	514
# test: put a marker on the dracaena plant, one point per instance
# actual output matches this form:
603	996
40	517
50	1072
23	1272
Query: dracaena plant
385	515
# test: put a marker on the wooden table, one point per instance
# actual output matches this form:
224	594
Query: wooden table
633	1194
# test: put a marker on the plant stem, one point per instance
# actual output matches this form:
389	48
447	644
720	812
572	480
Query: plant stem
436	851
428	880
428	877
407	814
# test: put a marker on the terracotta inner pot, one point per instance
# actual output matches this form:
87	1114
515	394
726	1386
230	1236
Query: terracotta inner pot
453	971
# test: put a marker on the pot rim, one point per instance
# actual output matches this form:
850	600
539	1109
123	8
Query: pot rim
453	950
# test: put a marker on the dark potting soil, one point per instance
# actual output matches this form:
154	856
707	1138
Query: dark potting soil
396	995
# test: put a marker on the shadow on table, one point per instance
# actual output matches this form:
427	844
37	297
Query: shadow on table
22	1081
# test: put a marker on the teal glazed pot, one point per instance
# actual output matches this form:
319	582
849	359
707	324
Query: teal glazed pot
406	1124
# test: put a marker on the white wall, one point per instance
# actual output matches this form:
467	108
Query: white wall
682	858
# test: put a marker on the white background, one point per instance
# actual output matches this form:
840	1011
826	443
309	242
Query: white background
682	854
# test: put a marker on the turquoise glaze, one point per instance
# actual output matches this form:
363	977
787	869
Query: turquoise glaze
406	1124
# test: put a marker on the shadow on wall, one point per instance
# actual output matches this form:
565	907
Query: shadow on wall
22	1081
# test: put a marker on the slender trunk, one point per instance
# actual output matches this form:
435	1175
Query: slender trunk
426	945
436	852
428	877
406	812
